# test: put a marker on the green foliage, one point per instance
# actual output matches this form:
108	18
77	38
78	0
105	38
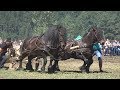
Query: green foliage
22	24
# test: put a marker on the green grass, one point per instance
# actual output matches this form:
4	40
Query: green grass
70	70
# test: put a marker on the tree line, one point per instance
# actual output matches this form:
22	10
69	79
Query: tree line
22	24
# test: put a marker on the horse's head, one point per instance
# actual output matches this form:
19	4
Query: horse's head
97	35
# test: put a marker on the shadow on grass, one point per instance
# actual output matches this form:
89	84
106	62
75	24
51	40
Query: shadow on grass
71	71
85	72
65	71
100	72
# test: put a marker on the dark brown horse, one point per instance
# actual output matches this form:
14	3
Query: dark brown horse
51	43
31	48
82	49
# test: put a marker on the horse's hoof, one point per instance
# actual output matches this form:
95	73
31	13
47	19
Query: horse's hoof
57	69
38	70
31	70
18	69
50	70
87	71
101	71
82	69
43	69
24	69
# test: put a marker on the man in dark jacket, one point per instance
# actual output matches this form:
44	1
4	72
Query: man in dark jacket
3	51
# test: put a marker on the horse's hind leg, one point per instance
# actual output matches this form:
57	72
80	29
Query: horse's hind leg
29	64
50	69
56	66
88	65
83	67
44	64
37	63
20	62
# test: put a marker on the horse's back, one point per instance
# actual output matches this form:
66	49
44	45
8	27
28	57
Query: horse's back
29	43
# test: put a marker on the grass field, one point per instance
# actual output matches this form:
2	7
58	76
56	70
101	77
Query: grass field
70	70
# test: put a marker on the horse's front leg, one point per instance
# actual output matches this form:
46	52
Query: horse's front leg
37	63
85	61
20	63
44	64
56	66
50	69
21	57
29	64
89	64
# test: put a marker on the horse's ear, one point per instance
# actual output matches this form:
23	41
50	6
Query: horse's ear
94	30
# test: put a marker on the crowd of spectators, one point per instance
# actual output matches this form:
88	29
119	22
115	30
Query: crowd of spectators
111	48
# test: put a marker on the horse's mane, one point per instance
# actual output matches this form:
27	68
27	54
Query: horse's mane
51	36
85	34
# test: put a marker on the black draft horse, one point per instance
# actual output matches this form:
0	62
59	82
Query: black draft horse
82	49
51	43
